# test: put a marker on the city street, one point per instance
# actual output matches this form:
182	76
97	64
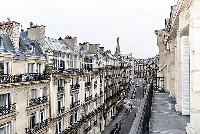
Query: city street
134	98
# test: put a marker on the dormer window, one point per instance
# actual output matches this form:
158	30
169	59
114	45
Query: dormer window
32	47
1	41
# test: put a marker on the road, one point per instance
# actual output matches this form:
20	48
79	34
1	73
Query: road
134	98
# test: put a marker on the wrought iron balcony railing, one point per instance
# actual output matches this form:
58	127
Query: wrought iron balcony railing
6	109
74	104
101	92
6	78
61	110
87	84
36	127
61	89
75	87
38	101
88	98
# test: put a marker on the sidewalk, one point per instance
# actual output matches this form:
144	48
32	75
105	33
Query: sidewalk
164	118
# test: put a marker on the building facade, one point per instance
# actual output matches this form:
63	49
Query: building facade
179	50
57	86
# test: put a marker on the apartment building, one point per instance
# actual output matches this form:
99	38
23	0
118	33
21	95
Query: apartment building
57	86
179	50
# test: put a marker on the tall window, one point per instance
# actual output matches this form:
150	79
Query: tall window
4	68
61	83
5	100
5	128
39	66
33	93
59	126
30	67
75	116
32	120
44	92
1	41
42	115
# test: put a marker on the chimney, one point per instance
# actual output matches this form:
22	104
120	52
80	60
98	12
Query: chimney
37	33
93	47
31	24
12	28
71	41
84	45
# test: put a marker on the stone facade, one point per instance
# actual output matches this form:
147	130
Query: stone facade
181	42
53	86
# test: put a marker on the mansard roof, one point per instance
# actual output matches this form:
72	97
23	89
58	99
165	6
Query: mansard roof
6	44
55	45
28	46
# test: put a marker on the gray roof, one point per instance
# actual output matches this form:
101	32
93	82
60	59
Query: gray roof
6	44
56	45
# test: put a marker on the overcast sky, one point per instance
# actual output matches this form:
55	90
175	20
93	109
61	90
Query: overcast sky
96	21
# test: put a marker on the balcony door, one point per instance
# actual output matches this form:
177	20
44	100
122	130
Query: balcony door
59	127
4	67
4	100
5	128
30	67
32	120
42	115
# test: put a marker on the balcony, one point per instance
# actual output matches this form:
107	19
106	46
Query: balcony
61	90
61	110
75	104
38	101
39	126
87	84
75	87
7	109
6	78
88	98
101	92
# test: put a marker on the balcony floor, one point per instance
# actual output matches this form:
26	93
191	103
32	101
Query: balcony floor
164	118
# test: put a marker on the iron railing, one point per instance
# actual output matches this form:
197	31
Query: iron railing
36	127
38	101
6	109
6	78
61	89
74	104
88	98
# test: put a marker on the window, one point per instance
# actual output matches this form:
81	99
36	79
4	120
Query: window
60	83
75	116
32	120
59	126
44	92
1	41
71	119
5	100
39	68
5	128
33	93
30	67
42	115
76	97
4	67
60	105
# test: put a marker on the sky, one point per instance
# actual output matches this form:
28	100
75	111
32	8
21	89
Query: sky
96	21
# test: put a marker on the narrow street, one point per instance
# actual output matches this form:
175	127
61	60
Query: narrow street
127	120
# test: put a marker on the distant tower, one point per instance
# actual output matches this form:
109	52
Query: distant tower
117	52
